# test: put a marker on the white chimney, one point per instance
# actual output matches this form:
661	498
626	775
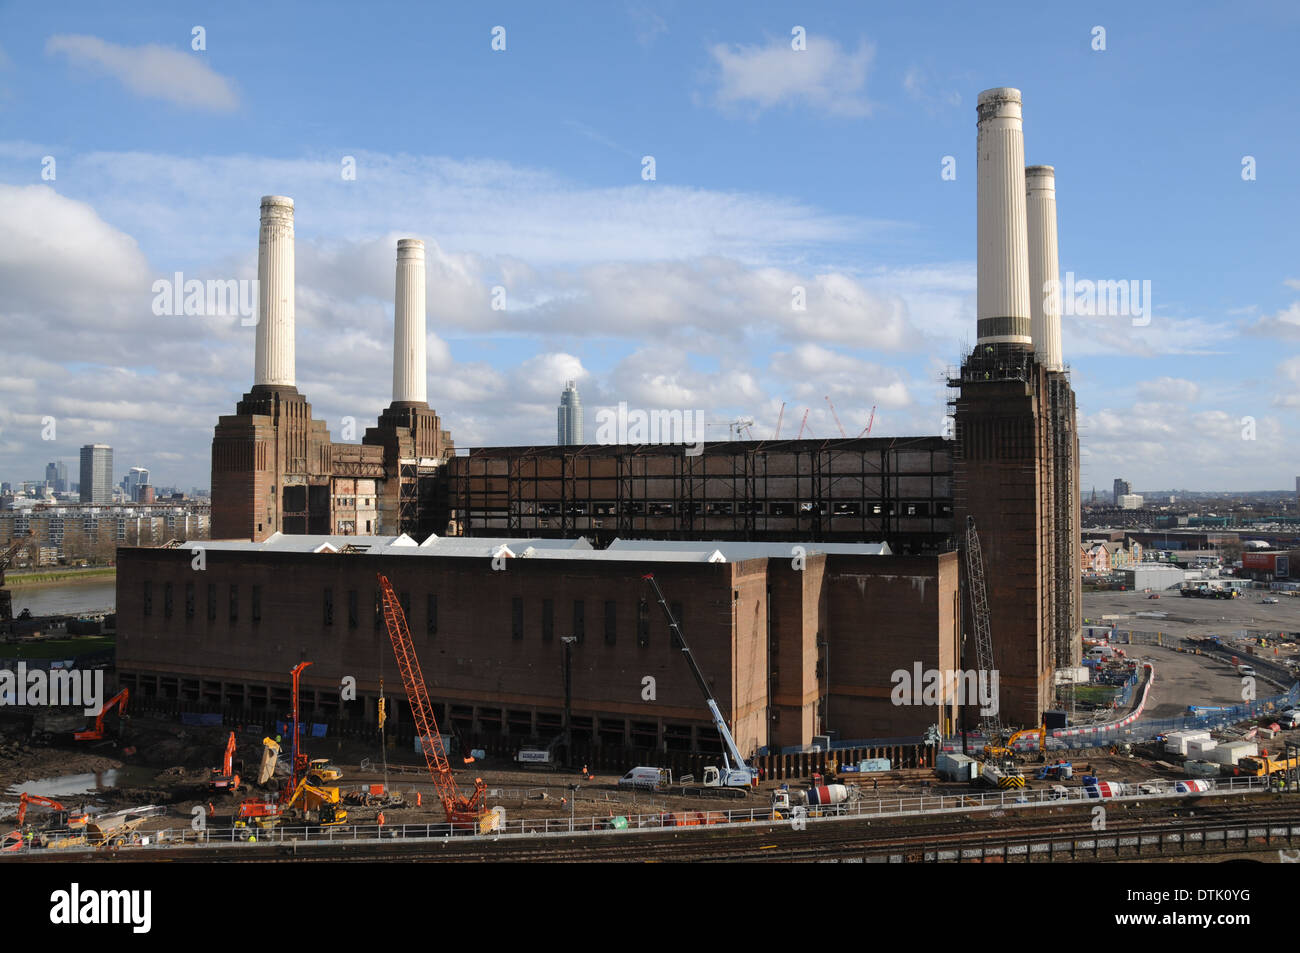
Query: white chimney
1044	265
409	371
274	348
1002	291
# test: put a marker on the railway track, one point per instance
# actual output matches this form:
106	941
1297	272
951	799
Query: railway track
1202	831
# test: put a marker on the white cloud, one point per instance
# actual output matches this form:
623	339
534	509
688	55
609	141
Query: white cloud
1285	324
919	86
1169	389
823	76
151	71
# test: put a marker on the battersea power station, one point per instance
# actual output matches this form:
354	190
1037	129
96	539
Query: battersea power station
811	578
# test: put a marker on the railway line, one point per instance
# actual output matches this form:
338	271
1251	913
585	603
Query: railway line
1170	830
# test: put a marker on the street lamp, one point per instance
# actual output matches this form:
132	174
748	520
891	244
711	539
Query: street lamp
567	641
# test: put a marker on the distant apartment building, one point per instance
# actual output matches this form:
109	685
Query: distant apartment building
96	473
1129	501
56	475
89	531
1122	488
569	416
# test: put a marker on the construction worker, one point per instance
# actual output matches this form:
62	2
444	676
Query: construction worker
380	819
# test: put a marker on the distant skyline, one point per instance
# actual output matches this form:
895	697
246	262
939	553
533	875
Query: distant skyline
128	156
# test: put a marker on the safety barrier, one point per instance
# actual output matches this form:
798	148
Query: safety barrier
905	805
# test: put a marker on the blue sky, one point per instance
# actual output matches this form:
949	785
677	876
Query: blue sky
523	168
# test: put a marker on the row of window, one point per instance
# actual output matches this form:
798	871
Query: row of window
517	616
169	601
773	508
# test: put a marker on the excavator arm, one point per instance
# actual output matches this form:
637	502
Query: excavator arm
118	701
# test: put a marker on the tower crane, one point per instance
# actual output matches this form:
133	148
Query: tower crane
999	764
836	416
742	775
990	724
462	810
803	423
779	418
871	420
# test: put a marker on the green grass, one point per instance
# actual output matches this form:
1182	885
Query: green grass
1097	694
56	648
57	575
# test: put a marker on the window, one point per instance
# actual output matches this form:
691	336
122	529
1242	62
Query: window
257	603
189	600
432	622
329	606
352	608
212	602
611	621
167	600
579	620
234	603
548	620
148	598
517	618
643	623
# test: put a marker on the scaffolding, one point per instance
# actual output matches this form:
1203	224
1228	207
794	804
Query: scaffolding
896	490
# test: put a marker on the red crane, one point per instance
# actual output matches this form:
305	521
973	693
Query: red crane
870	421
97	733
803	423
837	417
779	418
297	762
461	810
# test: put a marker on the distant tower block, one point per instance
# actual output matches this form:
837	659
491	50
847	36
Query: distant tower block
275	276
1044	265
1002	293
409	371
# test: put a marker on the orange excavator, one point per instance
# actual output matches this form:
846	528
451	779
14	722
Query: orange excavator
118	701
60	819
462	810
225	778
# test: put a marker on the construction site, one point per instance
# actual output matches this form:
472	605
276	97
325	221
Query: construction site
554	653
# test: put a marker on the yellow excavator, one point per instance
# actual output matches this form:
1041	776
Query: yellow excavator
1007	750
313	805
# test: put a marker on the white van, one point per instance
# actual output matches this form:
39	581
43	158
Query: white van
1101	652
1245	670
648	778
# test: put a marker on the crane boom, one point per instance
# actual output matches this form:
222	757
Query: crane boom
779	418
803	423
729	743
460	808
836	416
990	724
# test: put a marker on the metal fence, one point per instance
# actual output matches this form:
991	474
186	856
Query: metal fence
897	806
